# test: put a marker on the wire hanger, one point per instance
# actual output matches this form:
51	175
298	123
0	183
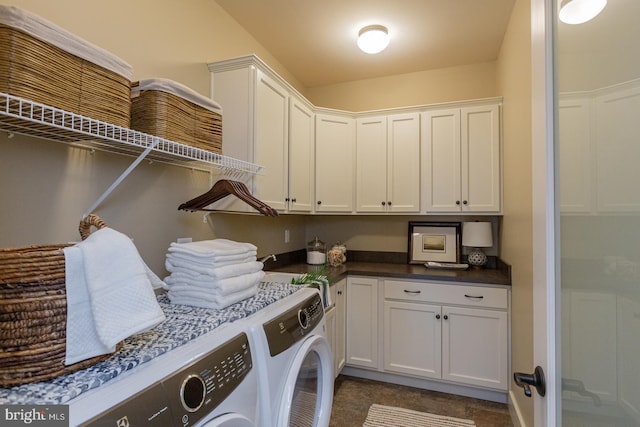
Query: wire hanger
222	189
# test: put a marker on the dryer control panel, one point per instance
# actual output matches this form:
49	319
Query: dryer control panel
291	326
187	395
197	389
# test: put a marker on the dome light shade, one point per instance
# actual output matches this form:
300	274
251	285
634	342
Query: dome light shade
373	39
580	11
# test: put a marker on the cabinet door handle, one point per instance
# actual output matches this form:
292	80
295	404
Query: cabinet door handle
389	202
464	202
474	296
446	317
411	292
339	292
458	202
319	202
438	316
293	200
383	203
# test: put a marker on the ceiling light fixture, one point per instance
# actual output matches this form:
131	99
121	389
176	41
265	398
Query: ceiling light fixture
373	39
580	11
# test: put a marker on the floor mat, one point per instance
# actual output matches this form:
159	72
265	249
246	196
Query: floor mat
388	416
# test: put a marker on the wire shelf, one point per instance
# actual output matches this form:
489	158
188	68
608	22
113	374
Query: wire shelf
25	117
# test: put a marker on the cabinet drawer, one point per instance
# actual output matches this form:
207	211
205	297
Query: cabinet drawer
475	296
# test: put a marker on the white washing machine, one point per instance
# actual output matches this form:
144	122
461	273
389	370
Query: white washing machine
294	362
210	381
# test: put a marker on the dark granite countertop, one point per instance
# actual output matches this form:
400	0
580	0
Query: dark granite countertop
498	276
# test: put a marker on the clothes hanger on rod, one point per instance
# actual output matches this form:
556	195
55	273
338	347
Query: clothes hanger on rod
222	189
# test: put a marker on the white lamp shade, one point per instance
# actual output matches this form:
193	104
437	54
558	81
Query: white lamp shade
477	234
373	39
580	11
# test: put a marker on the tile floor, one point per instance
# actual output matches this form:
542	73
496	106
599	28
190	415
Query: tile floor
353	396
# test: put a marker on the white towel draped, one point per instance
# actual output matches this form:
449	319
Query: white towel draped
107	268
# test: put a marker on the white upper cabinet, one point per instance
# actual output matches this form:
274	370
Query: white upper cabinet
461	160
271	118
575	150
301	158
388	163
617	130
335	160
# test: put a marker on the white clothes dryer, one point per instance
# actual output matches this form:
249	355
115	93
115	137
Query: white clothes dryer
210	381
294	362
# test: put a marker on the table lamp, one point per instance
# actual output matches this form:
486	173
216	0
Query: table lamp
477	235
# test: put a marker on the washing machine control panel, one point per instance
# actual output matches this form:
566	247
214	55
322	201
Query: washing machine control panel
291	326
197	389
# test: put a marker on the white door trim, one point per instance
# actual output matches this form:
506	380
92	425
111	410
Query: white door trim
546	409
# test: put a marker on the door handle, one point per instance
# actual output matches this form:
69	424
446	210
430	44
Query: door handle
536	380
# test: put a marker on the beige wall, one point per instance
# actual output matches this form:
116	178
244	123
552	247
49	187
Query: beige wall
514	81
427	87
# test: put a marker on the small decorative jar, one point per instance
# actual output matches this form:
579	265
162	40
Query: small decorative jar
316	252
337	254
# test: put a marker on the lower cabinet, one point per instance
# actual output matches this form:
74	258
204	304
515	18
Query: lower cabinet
362	322
335	319
458	333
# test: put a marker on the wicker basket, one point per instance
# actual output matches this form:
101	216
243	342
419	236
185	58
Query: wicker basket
42	72
171	115
33	312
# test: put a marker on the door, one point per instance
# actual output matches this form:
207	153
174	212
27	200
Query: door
594	253
308	391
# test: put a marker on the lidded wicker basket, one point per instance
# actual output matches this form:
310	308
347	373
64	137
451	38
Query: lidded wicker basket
33	312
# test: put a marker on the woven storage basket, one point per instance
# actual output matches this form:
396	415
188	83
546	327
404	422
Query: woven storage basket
35	69
164	108
33	312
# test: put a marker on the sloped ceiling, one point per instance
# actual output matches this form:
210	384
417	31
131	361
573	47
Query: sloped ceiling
316	40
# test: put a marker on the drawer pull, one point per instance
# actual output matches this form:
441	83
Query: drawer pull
411	292
473	296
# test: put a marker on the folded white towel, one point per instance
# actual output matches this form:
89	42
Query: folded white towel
198	298
196	272
212	248
121	295
220	261
221	287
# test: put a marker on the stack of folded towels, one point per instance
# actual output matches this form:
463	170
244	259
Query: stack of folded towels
212	273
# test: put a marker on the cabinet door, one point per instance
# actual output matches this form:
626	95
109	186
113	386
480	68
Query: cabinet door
480	161
574	148
617	150
412	338
371	164
592	320
362	322
271	141
330	321
441	161
301	143
340	301
474	347
403	163
335	151
628	351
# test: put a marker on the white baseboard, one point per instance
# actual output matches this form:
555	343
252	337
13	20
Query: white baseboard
514	410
